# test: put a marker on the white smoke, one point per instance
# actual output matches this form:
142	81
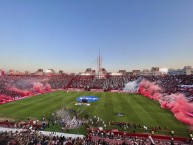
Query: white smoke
133	86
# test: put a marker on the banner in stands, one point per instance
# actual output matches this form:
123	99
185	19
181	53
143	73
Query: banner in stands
185	86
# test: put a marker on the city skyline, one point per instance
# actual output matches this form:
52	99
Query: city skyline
49	70
67	35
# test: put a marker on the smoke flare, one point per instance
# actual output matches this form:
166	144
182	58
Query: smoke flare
176	103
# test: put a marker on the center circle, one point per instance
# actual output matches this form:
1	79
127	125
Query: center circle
87	99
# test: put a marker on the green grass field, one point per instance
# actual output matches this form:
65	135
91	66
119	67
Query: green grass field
136	108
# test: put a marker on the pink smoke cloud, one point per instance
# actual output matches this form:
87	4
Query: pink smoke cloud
5	99
21	92
149	89
47	88
40	88
176	103
37	88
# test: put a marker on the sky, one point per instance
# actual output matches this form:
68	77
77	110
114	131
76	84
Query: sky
68	34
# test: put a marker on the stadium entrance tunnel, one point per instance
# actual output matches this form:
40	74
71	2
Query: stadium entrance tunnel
87	99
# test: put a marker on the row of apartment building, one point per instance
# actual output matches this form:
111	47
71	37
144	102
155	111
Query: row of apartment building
187	70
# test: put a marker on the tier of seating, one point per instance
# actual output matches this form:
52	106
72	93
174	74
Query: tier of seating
25	84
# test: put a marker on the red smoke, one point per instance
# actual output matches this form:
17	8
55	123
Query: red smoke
40	88
21	92
150	90
174	102
37	88
5	99
47	88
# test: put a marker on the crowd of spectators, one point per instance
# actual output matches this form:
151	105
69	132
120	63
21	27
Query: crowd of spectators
25	134
115	137
93	137
169	83
172	84
31	137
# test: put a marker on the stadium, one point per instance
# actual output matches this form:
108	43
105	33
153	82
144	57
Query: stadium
102	72
154	109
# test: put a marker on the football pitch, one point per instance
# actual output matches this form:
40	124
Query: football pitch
136	109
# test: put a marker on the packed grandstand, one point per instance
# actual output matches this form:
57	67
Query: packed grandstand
12	87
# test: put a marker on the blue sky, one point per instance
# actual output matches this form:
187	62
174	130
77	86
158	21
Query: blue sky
68	34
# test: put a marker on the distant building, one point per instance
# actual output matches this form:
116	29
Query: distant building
103	71
11	72
27	73
60	71
187	67
39	72
187	70
129	73
93	72
153	72
154	69
147	72
88	72
176	72
123	72
136	72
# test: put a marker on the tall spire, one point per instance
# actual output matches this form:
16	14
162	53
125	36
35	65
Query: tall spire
99	65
